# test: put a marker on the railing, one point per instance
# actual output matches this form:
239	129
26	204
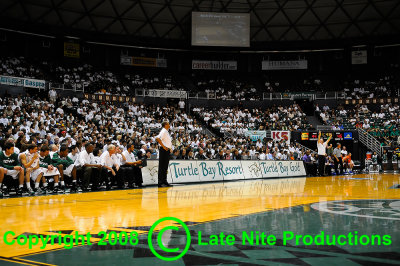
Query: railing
370	141
306	148
333	95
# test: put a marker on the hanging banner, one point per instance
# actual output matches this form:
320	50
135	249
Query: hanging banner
280	135
359	57
283	65
143	61
126	60
256	134
23	82
72	49
214	65
165	94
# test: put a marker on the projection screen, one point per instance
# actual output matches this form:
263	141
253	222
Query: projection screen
221	29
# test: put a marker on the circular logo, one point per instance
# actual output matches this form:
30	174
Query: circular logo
377	209
159	239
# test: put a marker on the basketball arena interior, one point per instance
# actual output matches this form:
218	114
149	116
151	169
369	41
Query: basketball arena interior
199	132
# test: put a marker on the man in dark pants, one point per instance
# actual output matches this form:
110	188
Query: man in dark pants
321	145
337	154
164	139
131	168
91	170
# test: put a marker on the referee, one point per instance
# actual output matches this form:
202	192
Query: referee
164	139
321	145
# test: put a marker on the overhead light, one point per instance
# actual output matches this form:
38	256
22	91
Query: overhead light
72	37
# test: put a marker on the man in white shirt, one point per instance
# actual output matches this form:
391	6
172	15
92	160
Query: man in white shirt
110	166
131	168
321	145
91	170
164	139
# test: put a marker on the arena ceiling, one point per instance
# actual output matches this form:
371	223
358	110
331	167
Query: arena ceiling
271	20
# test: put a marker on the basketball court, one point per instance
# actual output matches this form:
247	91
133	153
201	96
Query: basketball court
367	204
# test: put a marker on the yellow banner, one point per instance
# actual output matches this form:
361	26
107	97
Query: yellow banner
144	61
71	50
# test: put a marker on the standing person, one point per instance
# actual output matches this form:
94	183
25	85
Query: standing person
321	145
164	139
337	154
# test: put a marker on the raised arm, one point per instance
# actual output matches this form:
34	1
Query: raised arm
329	139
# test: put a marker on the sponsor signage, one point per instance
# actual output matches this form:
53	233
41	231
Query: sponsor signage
165	93
72	49
305	136
280	135
187	171
109	98
284	65
23	82
143	61
348	135
214	65
359	57
256	134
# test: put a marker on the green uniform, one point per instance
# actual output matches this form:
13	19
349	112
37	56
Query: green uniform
9	162
57	160
45	161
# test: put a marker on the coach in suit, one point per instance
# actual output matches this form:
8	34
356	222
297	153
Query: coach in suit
164	139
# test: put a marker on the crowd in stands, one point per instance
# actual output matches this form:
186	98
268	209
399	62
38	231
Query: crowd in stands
19	67
380	87
383	123
66	126
217	86
226	88
237	121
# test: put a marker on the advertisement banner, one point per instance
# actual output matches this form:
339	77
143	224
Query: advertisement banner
23	82
188	171
284	65
256	134
12	81
35	83
214	65
144	61
166	94
109	98
72	49
280	135
126	60
359	57
184	170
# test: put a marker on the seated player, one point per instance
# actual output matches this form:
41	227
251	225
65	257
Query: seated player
91	169
11	167
66	167
48	170
30	161
110	171
348	163
131	168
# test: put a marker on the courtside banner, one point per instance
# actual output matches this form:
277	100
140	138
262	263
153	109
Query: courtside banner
283	65
280	135
188	171
214	65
